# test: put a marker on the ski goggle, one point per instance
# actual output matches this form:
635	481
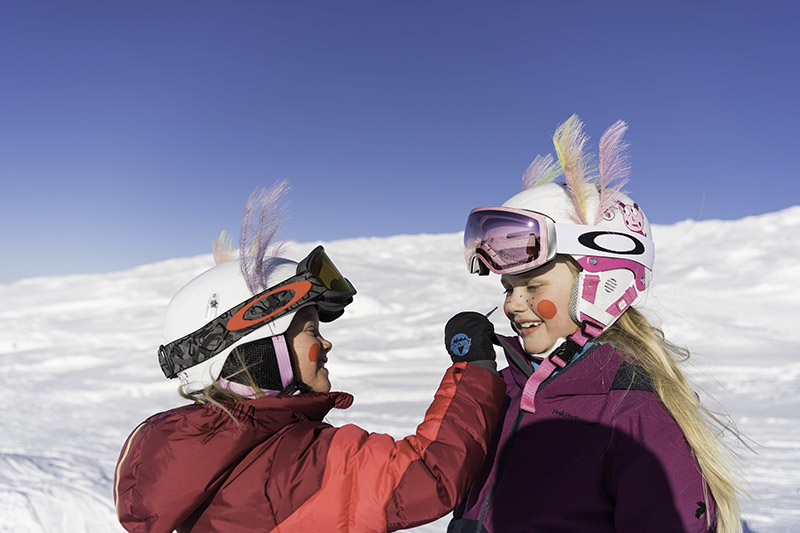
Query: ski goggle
317	280
510	241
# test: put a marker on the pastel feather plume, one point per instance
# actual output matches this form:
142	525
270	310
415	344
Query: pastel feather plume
543	170
222	248
263	216
579	172
582	175
615	167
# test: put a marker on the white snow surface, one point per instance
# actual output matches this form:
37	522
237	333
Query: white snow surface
78	368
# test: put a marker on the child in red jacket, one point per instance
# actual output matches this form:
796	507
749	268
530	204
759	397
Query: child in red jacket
252	453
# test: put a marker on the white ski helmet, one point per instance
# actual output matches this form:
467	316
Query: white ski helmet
588	218
206	297
216	312
616	255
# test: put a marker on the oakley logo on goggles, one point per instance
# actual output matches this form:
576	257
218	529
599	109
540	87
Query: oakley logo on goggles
317	280
509	241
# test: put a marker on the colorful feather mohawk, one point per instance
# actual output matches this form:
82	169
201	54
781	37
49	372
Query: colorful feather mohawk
614	167
569	140
543	170
222	248
263	216
581	173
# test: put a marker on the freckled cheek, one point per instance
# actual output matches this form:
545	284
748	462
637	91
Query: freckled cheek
313	353
546	309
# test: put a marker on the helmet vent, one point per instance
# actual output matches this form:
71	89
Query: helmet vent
610	285
573	300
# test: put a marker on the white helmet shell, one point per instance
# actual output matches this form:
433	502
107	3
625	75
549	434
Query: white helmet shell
211	294
606	286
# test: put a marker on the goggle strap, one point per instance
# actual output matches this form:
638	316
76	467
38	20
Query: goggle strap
225	330
573	239
186	352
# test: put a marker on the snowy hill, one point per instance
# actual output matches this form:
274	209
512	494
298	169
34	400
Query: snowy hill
78	366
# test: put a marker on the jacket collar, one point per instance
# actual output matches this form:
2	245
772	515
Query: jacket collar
592	373
286	409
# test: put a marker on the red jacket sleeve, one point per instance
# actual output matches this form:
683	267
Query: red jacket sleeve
374	483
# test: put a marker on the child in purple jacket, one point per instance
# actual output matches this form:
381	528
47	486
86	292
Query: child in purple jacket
601	430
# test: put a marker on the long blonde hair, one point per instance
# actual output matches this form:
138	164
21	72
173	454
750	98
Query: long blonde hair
645	345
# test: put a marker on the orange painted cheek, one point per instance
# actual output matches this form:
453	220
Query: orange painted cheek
313	353
546	309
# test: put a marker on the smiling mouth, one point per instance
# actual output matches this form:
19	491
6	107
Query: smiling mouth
527	327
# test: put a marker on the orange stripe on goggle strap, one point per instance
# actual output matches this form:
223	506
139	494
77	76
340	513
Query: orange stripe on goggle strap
238	321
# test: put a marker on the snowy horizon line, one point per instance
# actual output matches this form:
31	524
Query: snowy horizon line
689	221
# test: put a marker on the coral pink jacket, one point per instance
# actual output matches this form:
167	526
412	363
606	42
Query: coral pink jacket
279	467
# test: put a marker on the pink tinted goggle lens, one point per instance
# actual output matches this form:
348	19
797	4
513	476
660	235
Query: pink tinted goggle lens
505	240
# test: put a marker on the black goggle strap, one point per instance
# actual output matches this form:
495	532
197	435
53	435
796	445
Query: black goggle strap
223	331
317	279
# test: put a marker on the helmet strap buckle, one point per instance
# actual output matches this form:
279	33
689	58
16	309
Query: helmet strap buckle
560	358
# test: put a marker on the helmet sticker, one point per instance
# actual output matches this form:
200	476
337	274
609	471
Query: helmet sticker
631	214
633	217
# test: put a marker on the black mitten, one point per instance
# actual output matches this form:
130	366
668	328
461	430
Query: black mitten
469	336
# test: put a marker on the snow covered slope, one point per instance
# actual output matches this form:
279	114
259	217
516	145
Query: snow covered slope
78	367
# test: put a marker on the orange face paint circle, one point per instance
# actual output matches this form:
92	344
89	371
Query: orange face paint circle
313	353
546	309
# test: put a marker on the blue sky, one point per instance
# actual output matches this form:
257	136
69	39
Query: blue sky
132	132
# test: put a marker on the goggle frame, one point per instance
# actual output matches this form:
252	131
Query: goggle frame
551	238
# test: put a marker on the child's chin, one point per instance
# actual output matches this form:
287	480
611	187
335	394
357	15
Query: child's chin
535	346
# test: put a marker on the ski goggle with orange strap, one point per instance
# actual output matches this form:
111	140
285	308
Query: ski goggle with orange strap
511	241
317	280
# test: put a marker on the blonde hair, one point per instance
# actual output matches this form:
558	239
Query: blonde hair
645	345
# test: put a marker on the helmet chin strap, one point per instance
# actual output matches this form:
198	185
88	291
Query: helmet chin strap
564	354
290	377
558	359
285	366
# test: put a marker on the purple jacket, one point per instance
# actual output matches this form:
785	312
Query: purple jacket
600	454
